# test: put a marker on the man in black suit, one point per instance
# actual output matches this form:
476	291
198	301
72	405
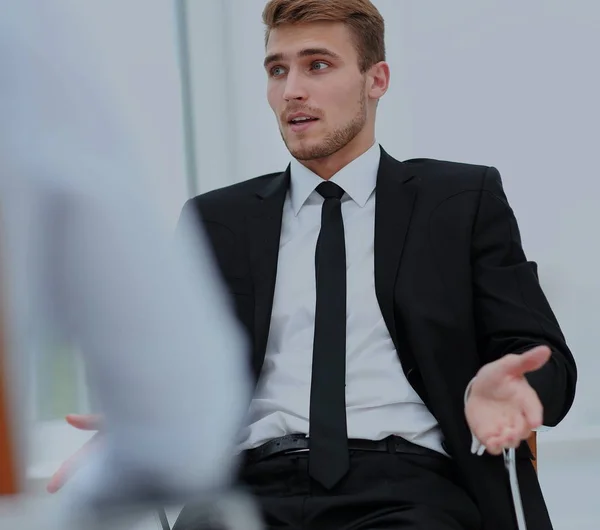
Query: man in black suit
375	291
378	294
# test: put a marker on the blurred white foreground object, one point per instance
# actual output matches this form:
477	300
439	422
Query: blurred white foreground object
84	257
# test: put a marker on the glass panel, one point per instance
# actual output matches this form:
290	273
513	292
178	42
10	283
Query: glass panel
59	386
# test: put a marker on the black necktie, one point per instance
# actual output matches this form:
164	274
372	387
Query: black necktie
328	458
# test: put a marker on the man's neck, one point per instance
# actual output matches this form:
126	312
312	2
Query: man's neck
329	166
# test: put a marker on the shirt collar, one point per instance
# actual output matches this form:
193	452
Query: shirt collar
357	179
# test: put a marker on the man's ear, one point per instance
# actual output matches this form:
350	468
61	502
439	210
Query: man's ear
378	80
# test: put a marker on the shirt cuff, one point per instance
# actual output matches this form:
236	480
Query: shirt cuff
477	448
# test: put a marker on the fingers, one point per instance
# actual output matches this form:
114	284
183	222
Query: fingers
509	435
516	433
58	480
85	422
64	472
493	447
489	439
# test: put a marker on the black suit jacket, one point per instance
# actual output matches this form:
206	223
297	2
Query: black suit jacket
454	286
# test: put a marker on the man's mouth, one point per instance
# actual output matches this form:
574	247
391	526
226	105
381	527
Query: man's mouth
301	123
302	119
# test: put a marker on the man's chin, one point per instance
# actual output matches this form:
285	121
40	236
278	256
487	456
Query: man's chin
304	151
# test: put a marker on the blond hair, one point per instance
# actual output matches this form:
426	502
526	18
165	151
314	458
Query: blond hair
360	16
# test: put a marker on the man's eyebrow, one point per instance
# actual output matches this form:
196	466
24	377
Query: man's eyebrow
307	52
273	58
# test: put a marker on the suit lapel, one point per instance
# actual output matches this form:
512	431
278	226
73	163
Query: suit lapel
395	197
394	201
264	230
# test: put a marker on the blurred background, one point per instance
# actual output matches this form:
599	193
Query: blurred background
497	82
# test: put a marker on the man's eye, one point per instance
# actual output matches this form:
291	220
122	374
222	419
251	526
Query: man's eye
276	71
320	65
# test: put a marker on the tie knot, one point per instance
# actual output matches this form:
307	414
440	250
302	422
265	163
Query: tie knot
330	190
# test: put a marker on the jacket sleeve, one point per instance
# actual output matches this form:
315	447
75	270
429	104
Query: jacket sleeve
511	310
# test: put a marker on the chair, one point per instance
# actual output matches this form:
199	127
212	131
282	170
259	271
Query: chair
9	483
532	442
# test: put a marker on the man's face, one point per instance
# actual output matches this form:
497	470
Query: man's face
315	88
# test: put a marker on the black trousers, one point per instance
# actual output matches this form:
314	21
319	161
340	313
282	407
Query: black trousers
382	491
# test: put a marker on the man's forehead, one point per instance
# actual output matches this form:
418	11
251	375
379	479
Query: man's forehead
291	39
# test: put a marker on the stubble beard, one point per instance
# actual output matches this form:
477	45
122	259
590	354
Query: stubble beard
335	140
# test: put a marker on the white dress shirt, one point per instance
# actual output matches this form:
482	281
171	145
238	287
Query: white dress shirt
85	257
379	400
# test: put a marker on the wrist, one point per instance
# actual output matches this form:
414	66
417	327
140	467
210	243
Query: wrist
468	390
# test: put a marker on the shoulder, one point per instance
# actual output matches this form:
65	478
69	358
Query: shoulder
444	178
230	198
450	175
439	181
468	187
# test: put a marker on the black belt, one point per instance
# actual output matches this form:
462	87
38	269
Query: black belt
297	442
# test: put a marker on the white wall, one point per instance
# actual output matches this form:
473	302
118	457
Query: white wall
139	42
497	82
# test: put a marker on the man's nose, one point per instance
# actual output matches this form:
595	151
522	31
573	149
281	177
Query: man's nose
294	87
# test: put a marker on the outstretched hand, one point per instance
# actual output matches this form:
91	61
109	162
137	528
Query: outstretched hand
502	408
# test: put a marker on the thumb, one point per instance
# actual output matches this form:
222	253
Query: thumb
529	361
85	422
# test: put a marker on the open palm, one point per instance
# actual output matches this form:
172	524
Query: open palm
502	408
